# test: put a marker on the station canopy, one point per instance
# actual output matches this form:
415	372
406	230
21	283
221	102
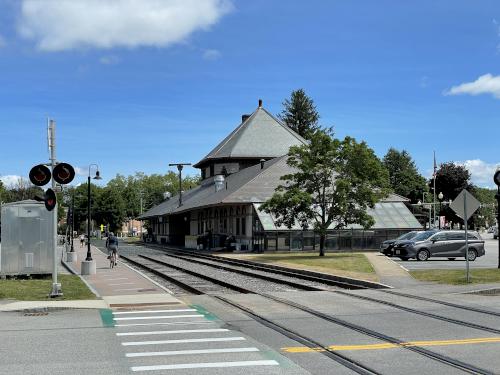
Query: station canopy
387	215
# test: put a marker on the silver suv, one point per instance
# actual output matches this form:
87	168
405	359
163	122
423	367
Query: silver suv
440	243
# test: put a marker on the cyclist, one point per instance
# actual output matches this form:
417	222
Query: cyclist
112	246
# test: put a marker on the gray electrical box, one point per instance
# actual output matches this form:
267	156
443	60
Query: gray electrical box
27	239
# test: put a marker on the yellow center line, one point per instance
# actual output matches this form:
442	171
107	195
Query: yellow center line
482	340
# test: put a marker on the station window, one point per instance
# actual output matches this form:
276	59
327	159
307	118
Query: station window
243	226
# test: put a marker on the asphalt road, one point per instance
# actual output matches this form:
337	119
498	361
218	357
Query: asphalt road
489	260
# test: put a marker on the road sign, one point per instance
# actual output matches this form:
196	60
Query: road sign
458	205
63	173
40	175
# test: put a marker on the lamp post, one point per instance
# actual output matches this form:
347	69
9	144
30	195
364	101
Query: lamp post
496	178
96	177
440	197
179	168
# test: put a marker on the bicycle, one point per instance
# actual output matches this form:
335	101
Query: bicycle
112	259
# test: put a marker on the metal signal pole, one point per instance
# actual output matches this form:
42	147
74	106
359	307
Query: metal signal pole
51	135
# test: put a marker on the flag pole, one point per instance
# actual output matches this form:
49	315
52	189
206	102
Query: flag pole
434	191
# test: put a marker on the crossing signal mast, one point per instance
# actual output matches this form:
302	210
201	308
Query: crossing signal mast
40	175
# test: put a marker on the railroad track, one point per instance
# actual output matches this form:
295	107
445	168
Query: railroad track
356	366
325	279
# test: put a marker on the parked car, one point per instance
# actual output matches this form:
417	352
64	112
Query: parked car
440	243
495	232
387	246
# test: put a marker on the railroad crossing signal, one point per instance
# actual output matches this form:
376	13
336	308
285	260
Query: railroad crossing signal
63	173
49	199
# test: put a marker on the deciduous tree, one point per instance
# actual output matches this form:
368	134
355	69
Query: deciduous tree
404	178
332	185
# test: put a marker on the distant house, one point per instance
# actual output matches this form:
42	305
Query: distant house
241	173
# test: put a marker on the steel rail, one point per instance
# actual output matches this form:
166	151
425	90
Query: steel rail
248	273
420	312
436	356
450	304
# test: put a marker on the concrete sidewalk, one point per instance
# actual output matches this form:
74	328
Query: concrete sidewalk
389	272
121	286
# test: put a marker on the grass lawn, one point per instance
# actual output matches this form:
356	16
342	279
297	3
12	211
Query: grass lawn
457	277
340	264
38	289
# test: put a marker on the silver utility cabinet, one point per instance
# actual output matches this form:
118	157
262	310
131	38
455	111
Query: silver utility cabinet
27	239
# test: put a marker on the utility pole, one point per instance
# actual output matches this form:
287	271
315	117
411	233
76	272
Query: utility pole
179	168
51	137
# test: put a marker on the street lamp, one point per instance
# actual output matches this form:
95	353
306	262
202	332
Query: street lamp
96	177
440	197
496	178
179	168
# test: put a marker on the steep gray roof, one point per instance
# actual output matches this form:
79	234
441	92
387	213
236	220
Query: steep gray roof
250	185
256	185
261	135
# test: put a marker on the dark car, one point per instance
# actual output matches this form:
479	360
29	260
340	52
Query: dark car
440	243
387	246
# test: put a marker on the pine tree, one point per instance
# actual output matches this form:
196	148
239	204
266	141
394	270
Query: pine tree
300	114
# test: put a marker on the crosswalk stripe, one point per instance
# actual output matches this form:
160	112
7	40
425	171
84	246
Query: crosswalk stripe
206	365
196	351
161	317
211	339
172	332
195	322
150	311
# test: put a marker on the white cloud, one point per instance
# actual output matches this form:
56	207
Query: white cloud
211	54
109	60
486	84
62	25
481	172
10	180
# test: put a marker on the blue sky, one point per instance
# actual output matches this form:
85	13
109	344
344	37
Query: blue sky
135	85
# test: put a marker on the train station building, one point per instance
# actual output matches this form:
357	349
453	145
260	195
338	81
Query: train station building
241	173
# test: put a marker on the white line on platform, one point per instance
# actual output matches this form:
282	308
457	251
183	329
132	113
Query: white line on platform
161	317
172	332
164	324
151	311
206	365
118	278
197	351
209	339
121	284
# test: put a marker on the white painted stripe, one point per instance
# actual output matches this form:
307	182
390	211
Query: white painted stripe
172	332
125	278
121	284
161	317
150	311
197	351
211	339
205	365
164	324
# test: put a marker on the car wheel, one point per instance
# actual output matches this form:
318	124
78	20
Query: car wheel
451	258
423	255
472	255
404	258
